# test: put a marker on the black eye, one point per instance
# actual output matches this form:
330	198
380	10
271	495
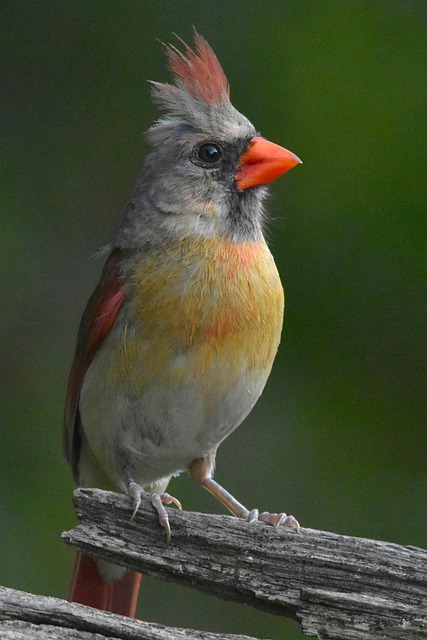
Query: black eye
209	153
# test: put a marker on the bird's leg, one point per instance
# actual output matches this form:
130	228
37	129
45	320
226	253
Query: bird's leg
201	470
137	494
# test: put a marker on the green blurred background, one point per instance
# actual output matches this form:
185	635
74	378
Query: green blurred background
338	437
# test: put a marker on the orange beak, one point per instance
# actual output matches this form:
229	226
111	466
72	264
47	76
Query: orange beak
263	162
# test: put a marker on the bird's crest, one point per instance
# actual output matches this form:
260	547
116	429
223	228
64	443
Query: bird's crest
199	71
199	98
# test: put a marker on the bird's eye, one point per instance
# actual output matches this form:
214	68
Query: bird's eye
209	153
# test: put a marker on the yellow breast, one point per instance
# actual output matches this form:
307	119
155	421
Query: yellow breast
208	304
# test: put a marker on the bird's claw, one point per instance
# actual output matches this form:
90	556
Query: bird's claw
253	516
168	499
137	495
275	519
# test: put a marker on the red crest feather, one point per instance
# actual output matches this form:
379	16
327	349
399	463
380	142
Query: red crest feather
199	70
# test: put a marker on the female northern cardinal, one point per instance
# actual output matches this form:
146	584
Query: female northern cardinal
178	339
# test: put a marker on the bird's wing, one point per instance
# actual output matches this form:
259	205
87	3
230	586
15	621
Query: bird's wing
97	321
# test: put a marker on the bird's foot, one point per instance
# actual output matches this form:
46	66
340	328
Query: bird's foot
201	470
275	519
137	494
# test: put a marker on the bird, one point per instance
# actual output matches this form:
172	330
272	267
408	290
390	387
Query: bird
178	339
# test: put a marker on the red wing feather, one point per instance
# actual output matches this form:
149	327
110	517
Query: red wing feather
97	321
